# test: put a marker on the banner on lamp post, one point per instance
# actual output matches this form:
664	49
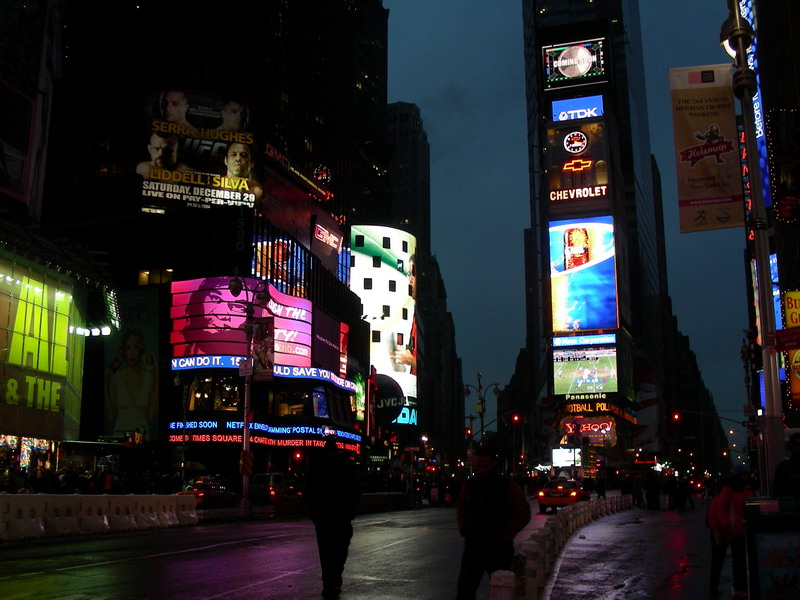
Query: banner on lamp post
710	192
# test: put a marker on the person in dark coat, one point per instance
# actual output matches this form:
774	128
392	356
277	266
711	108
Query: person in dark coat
331	495
491	511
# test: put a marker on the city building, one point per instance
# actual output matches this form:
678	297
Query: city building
594	372
212	182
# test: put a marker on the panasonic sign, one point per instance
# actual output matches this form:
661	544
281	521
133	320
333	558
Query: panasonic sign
573	109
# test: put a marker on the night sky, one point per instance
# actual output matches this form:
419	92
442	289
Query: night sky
461	62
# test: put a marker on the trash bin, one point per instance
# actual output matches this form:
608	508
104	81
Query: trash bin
772	532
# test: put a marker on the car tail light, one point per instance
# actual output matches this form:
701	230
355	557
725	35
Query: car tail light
541	493
200	494
573	493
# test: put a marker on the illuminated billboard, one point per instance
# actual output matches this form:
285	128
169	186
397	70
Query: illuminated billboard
383	275
131	360
41	356
573	109
577	161
584	370
208	325
574	64
583	274
198	151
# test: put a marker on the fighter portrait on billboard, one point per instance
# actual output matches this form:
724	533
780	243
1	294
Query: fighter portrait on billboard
200	152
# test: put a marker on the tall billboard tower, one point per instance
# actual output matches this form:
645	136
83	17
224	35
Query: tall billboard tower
594	252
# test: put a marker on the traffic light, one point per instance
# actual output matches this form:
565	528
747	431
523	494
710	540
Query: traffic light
516	419
468	432
298	456
676	416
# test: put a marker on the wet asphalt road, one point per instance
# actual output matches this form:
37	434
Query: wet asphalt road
635	554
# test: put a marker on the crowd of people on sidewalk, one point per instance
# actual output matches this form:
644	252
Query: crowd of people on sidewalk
69	480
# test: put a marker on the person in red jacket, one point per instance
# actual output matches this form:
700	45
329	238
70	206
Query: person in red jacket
726	520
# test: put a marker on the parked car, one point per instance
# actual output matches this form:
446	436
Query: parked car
210	494
560	492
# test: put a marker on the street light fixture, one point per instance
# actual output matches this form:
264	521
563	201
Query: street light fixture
480	408
736	36
259	294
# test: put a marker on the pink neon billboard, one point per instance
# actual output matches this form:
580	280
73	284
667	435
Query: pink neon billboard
208	324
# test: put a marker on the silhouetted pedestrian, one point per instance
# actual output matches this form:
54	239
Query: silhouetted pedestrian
786	480
491	510
331	495
726	520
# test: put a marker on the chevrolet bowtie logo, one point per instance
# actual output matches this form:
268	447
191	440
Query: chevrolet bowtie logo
577	164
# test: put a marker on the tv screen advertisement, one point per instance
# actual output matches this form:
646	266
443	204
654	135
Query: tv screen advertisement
577	161
583	274
574	64
208	325
584	370
383	274
574	109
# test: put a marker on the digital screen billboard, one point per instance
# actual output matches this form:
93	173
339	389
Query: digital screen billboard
574	64
208	326
573	109
577	161
383	275
584	370
583	274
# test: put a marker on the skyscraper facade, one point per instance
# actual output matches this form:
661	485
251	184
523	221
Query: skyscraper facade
594	261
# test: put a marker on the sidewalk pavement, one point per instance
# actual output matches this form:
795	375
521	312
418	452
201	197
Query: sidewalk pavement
638	554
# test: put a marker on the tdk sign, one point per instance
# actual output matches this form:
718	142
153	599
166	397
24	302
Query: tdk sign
573	109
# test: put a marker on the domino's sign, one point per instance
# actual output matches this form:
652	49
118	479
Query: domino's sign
573	109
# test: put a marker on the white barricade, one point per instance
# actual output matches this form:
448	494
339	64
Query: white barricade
62	515
122	517
146	515
94	517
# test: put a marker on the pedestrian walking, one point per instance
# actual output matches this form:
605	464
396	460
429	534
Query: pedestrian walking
331	495
491	511
786	480
726	520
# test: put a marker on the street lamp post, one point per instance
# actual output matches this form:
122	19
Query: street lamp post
480	408
738	33
260	294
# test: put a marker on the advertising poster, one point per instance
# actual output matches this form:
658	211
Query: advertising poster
583	274
383	274
41	372
777	555
574	64
131	372
198	151
577	161
704	125
792	312
208	326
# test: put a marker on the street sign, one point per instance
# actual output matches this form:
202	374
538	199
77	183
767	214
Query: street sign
787	339
245	367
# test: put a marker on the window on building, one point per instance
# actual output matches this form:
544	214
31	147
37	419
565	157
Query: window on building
359	241
376	336
392	286
376	262
368	283
387	242
387	310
